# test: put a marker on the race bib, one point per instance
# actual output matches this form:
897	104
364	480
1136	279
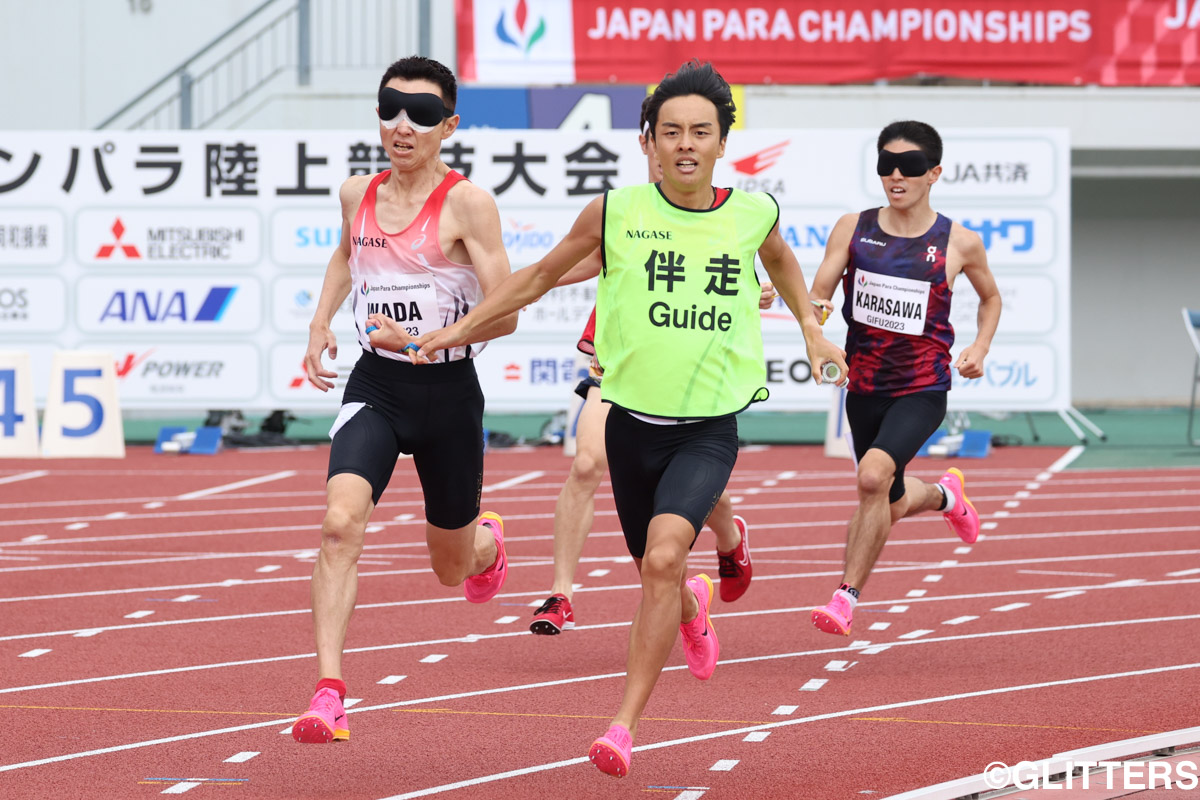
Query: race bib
410	301
890	303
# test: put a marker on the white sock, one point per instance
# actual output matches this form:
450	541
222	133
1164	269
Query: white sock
851	599
949	499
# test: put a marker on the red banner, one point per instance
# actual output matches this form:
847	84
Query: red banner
1105	42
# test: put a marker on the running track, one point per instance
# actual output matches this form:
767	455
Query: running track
155	635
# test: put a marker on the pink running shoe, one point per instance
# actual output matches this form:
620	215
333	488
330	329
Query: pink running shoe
553	617
834	617
700	645
324	722
613	751
484	586
963	519
735	568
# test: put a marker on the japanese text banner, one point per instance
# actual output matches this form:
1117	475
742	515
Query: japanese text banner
197	258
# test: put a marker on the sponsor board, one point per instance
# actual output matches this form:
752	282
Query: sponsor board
217	304
32	304
185	237
294	300
288	383
305	237
169	373
32	237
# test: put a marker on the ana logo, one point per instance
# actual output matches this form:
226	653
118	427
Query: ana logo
520	17
762	160
106	250
161	306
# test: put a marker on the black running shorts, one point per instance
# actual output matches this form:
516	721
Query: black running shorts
667	469
432	411
898	426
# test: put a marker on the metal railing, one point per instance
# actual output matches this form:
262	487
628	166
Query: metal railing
275	38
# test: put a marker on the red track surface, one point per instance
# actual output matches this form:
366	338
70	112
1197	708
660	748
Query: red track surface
131	706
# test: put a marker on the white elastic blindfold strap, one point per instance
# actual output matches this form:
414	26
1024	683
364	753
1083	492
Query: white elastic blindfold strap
394	122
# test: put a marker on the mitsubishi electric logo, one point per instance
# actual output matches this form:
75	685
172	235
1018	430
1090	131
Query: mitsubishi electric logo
106	250
518	37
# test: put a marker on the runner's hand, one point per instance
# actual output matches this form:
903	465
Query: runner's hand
318	342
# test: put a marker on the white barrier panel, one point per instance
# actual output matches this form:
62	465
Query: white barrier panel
837	428
18	415
83	417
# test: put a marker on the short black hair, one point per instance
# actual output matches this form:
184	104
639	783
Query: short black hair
922	134
415	68
645	107
697	78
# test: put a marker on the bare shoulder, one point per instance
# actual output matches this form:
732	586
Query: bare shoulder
352	191
469	202
965	241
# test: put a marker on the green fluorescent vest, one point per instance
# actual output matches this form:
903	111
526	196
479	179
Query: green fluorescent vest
677	323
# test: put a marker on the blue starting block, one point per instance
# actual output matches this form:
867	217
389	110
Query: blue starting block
968	444
205	440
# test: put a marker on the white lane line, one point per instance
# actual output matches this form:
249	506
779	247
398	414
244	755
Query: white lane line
350	702
784	723
914	634
41	651
37	537
958	620
879	648
229	487
813	684
1071	574
1021	495
621	675
756	736
181	787
238	758
1012	503
25	476
934	578
117	515
138	614
916	593
989	526
598	573
690	794
724	765
1061	595
879	626
76	526
390	679
153	505
1001	514
1040	591
961	551
432	658
1181	573
509	620
269	568
783	711
839	666
517	481
1011	607
1064	462
88	633
185	598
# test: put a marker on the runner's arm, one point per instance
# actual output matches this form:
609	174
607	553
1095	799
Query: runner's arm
523	286
784	270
